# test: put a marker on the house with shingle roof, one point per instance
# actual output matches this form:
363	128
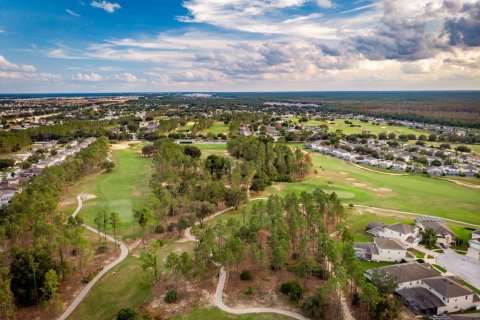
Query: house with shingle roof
382	249
444	234
474	245
405	233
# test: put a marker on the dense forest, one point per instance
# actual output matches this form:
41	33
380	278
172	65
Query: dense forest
40	245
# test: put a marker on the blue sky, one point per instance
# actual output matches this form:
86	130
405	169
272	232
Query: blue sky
238	45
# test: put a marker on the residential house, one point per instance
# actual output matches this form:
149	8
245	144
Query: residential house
469	171
451	170
474	245
444	234
435	171
398	165
406	234
374	228
382	249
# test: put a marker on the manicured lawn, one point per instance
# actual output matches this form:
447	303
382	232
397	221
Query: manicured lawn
217	314
418	254
410	193
122	287
365	265
123	190
440	268
218	128
212	148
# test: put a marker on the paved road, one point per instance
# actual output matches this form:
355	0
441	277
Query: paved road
416	214
463	266
89	286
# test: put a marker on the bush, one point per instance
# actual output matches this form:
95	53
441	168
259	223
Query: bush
159	229
171	296
420	260
292	289
245	275
249	291
126	314
171	227
102	248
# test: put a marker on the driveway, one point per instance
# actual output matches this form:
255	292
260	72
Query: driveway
463	266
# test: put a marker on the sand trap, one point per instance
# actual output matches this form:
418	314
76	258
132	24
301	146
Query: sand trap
344	173
351	179
384	189
383	127
361	185
123	145
86	196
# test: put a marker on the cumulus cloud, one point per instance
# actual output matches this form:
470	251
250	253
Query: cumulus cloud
87	77
126	77
464	30
325	3
110	7
72	13
13	71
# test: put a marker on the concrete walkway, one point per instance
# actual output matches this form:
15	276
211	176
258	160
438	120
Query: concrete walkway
89	286
188	236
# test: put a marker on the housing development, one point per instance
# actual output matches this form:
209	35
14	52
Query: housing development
240	160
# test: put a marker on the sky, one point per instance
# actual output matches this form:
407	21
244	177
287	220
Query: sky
238	45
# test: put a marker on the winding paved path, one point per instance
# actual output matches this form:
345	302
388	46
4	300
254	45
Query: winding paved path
188	236
89	286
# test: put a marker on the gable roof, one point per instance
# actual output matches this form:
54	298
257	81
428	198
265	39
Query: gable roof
439	227
411	271
447	287
401	228
388	244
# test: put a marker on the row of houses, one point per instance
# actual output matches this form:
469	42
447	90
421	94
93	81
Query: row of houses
426	292
13	184
467	170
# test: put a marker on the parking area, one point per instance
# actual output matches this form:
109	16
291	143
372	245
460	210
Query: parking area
463	266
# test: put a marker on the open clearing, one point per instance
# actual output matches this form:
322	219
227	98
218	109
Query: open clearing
124	189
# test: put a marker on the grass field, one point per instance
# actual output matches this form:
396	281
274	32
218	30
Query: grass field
212	148
411	193
214	313
218	128
123	190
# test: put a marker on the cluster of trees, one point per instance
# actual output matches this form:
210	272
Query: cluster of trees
11	141
270	162
38	243
190	187
202	123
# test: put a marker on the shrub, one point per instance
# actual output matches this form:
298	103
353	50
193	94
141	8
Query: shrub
249	291
292	289
159	229
171	296
102	248
126	314
171	227
245	275
420	260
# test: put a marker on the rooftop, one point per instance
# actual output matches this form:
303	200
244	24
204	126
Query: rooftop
401	228
412	271
447	287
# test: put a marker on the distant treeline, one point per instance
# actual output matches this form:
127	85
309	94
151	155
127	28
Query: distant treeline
11	141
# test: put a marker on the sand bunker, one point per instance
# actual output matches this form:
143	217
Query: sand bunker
344	173
351	179
384	189
361	185
123	145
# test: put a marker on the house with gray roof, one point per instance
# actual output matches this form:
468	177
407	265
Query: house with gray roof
382	249
405	233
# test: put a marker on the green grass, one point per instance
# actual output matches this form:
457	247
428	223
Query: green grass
365	265
217	314
468	285
218	128
440	268
123	190
418	254
462	233
122	287
412	193
212	148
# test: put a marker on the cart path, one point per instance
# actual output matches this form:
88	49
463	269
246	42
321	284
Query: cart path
89	286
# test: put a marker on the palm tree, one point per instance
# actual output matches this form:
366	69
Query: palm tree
429	239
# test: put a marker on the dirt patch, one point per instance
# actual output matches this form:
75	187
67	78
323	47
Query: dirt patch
86	196
351	179
194	293
123	145
343	173
384	190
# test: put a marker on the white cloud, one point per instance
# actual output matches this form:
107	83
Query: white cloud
325	3
127	77
105	5
6	65
87	77
72	13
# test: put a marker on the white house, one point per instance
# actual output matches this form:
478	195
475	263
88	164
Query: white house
451	170
444	234
474	245
406	234
382	249
400	166
435	171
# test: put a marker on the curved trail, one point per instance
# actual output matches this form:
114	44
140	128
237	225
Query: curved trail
187	236
380	172
89	286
